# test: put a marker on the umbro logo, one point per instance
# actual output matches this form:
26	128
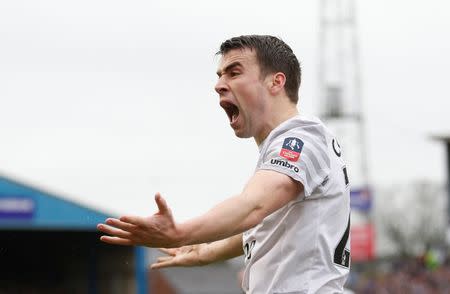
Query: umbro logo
285	164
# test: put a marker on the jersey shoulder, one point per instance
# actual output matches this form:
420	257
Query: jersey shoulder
298	148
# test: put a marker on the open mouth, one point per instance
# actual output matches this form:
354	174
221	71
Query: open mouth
231	110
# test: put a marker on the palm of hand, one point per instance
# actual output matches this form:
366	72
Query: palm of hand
182	256
158	230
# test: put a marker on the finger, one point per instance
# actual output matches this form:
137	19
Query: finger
164	258
116	240
186	249
113	231
134	220
121	225
168	251
162	204
158	265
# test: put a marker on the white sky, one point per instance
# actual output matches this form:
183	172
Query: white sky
107	102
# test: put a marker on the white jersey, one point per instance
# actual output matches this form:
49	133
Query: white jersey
302	247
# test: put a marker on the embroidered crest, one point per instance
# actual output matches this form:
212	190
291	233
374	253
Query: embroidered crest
292	147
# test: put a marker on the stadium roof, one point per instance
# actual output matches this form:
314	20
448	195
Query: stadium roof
26	207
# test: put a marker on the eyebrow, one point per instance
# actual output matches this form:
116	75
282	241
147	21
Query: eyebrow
229	67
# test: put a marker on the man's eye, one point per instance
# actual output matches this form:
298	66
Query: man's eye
234	73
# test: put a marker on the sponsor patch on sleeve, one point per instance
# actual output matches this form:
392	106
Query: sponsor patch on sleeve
292	147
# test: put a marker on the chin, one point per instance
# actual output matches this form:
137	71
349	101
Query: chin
241	134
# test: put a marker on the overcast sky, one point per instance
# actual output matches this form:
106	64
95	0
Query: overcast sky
107	102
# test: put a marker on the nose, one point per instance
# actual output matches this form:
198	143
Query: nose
221	87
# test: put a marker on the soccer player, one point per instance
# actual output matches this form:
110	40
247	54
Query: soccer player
291	220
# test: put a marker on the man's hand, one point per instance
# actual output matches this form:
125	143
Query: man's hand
190	255
158	230
201	254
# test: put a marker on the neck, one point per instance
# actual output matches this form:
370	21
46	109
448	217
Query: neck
278	114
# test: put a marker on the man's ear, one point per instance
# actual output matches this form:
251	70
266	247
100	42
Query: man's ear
277	83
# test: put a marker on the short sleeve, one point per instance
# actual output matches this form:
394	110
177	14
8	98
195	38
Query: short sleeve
300	155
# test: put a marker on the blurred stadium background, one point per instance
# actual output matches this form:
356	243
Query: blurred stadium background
48	241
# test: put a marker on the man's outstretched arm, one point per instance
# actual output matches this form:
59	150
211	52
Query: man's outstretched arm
265	192
201	254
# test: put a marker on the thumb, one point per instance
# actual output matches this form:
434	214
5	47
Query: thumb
162	204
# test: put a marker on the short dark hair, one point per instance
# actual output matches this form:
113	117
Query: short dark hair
273	55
